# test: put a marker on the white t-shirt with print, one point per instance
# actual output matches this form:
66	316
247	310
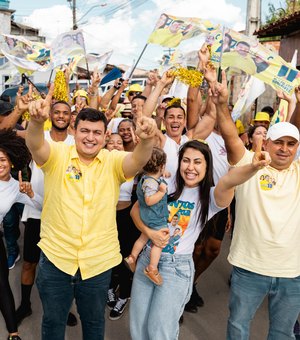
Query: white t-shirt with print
187	208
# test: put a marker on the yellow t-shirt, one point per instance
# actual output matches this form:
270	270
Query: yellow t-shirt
78	228
267	230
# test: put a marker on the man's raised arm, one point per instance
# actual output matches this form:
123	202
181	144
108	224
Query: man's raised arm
151	102
35	140
295	119
146	130
234	145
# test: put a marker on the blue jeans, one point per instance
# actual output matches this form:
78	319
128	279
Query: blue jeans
248	291
11	228
155	310
57	291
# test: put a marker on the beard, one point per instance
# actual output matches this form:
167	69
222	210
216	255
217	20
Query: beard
60	128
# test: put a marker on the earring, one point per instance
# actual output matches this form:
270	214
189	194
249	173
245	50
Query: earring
12	166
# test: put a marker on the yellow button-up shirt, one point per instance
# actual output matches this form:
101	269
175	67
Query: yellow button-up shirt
78	228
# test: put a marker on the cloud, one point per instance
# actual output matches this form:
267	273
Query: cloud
51	21
127	31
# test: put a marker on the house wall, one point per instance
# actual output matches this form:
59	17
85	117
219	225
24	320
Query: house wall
288	45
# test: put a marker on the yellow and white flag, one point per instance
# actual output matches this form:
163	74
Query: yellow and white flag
28	56
169	30
246	54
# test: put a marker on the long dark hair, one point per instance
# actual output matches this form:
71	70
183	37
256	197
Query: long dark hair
204	185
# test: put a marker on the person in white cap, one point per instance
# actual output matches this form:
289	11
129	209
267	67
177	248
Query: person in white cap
265	249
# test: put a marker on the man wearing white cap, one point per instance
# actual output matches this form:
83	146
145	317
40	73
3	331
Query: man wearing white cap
265	251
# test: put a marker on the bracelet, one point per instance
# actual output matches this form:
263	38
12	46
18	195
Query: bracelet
117	87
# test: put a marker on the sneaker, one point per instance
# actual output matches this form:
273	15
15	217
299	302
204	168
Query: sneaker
197	298
72	320
111	299
14	337
22	312
191	307
297	330
12	259
118	309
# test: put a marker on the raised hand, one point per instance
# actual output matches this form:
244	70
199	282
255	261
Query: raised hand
204	56
284	96
25	187
145	127
39	110
297	93
219	92
261	158
95	78
167	78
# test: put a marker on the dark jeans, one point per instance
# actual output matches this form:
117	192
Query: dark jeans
11	228
57	291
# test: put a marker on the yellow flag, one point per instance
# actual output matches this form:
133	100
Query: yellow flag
170	30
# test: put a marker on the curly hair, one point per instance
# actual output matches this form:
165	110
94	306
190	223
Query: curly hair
15	148
157	160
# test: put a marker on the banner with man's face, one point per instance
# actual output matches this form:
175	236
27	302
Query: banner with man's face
246	54
170	30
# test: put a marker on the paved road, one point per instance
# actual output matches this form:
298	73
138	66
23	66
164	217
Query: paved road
208	324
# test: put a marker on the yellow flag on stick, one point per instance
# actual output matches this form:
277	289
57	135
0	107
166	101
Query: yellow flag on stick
170	30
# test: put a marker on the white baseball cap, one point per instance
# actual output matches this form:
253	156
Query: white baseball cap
282	129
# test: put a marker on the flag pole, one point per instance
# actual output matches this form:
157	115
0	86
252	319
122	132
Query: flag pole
50	76
139	58
30	81
221	56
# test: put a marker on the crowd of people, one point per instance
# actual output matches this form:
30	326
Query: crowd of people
132	201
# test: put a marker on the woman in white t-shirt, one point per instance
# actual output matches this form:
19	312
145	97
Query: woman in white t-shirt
155	310
13	153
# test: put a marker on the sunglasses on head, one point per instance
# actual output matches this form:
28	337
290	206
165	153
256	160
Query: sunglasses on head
132	93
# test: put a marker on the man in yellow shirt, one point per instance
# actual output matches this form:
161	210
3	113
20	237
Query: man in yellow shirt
79	239
265	247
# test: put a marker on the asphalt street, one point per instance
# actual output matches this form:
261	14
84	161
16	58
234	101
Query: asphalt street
208	324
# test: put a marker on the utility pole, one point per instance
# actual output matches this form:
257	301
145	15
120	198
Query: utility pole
253	18
74	15
73	7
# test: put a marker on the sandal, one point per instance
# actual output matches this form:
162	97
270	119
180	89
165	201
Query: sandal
154	276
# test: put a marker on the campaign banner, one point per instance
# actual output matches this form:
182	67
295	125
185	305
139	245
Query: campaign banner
67	47
246	54
251	89
93	61
169	30
281	113
26	55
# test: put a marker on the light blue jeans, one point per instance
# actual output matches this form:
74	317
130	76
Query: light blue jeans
248	291
155	310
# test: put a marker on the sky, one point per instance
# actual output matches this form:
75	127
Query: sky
125	25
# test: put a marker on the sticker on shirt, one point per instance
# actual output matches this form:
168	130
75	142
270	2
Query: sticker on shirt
73	174
267	182
179	218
